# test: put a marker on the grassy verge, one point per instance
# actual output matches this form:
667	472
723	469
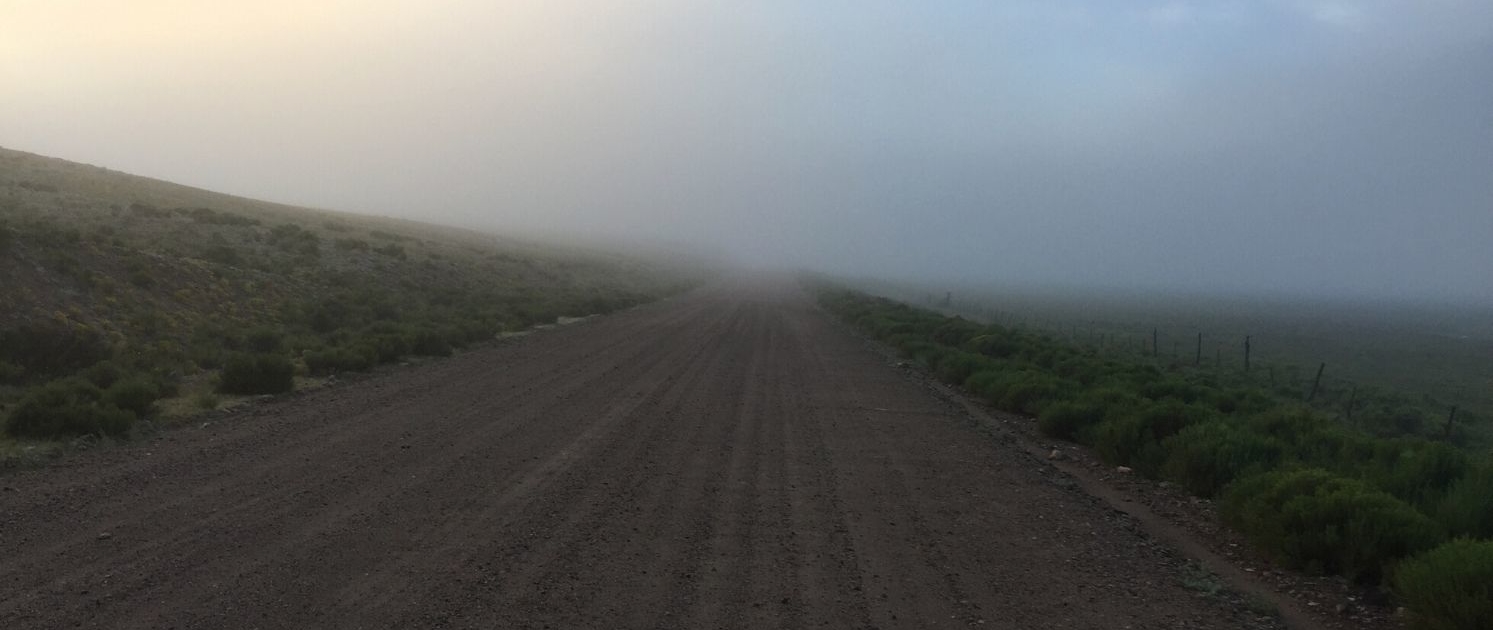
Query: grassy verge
1309	491
130	302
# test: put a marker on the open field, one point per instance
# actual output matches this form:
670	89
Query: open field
130	302
1402	366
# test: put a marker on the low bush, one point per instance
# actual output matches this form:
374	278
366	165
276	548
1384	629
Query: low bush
67	408
213	217
206	400
135	394
1417	471
1467	507
340	359
1207	456
392	250
958	366
430	342
389	342
52	350
1031	393
11	374
103	374
264	339
223	255
1449	587
1067	420
1314	520
257	373
1135	438
352	244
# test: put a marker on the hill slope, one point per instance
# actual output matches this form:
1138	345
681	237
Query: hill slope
107	275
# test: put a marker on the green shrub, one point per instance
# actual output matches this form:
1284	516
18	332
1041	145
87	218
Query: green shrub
958	366
66	408
1467	507
1207	456
1134	438
340	359
1314	520
1240	401
1067	420
11	373
141	278
149	211
1031	392
388	236
52	349
264	339
1175	388
996	346
392	250
389	341
206	355
352	244
954	331
206	400
1416	470
213	217
257	373
223	255
1126	441
136	395
1449	587
430	343
103	374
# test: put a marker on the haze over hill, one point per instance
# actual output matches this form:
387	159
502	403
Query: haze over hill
1299	146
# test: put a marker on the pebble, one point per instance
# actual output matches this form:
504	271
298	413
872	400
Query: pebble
105	536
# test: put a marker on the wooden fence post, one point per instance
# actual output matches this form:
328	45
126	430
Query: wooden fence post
1316	383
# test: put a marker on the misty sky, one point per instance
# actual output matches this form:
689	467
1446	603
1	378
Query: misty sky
1324	147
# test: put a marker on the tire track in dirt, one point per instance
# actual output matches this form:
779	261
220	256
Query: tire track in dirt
729	458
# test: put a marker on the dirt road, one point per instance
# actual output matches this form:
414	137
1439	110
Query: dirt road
730	458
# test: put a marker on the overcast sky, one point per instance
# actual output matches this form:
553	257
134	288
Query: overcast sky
1324	147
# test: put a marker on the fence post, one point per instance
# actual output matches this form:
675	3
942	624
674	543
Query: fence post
1317	382
1246	353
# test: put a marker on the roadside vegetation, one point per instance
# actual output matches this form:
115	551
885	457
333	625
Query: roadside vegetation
1391	369
129	302
1313	492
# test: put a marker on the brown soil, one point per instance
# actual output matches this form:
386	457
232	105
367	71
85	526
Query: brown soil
730	458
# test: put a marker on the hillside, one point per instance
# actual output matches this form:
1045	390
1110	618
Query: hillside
110	280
